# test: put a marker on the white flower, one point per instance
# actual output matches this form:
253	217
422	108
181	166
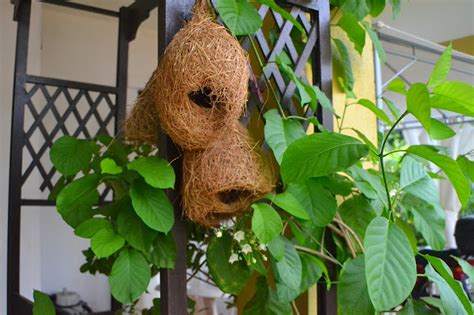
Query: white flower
246	249
262	247
239	236
233	258
254	261
264	257
219	234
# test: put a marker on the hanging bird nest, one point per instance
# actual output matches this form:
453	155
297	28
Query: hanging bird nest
223	180
199	87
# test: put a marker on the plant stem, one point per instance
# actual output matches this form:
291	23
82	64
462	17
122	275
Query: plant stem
316	253
343	116
262	69
381	156
295	308
296	117
394	151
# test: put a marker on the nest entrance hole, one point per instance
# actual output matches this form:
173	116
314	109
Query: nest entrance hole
204	98
234	195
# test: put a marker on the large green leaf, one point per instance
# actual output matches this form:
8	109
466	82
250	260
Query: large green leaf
449	167
353	294
320	154
135	232
455	286
398	86
467	166
390	266
266	222
156	172
455	97
240	16
416	181
415	308
288	273
376	7
323	99
467	268
358	8
42	304
441	69
370	185
374	109
105	242
450	303
319	203
75	201
418	104
357	212
342	63
305	91
152	206
230	278
280	133
429	219
375	41
130	276
354	31
70	155
289	203
163	254
440	131
337	184
88	228
265	301
311	271
277	247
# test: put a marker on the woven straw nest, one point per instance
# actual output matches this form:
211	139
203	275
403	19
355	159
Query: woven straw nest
223	180
199	87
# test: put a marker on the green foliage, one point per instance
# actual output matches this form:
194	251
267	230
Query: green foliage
390	266
42	304
134	231
108	166
266	222
418	104
342	64
106	242
398	86
70	155
374	109
266	302
156	172
88	228
288	274
456	97
289	203
163	253
442	67
239	16
357	212
354	31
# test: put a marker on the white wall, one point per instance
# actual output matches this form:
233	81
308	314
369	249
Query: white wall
72	45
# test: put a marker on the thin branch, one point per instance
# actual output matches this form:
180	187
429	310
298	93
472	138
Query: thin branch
295	308
351	231
316	253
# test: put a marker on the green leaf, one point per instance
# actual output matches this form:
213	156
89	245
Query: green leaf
70	155
370	185
418	104
342	64
135	232
354	31
392	107
442	67
395	7
75	201
466	267
320	154
266	222
416	181
305	91
108	166
42	304
265	301
358	8
288	273
374	109
311	271
390	266
449	167
467	166
357	213
323	99
105	242
415	308
453	298
375	41
88	228
353	294
456	97
240	16
130	276
429	219
277	248
230	278
280	133
337	184
163	254
152	206
157	172
285	14
289	203
440	131
376	7
398	86
319	203
409	233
